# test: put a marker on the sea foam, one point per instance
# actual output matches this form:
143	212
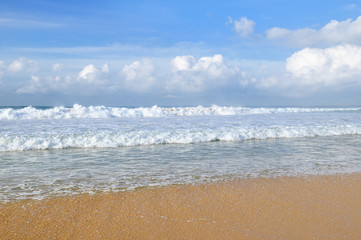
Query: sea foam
105	137
78	111
31	128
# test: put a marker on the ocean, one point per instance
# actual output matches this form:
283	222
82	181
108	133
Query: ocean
56	151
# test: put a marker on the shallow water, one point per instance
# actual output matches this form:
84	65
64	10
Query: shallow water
43	173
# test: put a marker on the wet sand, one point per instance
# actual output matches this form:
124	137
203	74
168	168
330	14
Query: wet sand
313	207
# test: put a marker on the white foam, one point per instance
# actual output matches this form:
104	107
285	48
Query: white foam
163	136
78	111
92	127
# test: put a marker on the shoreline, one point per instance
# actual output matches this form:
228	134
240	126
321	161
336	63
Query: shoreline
321	207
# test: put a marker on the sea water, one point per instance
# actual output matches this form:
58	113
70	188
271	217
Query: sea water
55	151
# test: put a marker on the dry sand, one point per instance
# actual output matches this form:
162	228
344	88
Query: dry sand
317	207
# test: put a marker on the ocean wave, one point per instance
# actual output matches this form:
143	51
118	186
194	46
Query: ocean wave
78	111
107	139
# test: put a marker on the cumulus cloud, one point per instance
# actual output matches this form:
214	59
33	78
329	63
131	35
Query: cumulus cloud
334	32
23	64
139	75
193	75
92	74
313	70
89	73
16	66
244	27
337	65
305	71
89	80
180	74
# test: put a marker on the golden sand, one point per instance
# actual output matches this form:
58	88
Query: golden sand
317	207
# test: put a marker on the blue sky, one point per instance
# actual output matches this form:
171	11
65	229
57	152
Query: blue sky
141	53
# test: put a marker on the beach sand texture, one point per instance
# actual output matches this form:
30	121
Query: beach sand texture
312	207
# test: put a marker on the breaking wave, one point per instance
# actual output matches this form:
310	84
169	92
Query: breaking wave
108	139
78	111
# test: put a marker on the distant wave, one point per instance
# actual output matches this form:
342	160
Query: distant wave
78	111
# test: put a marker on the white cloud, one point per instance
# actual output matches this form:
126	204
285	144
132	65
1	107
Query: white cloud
88	73
139	75
277	32
334	32
306	71
91	74
54	83
57	67
181	63
193	75
243	26
23	64
180	74
89	80
339	65
313	70
188	63
16	66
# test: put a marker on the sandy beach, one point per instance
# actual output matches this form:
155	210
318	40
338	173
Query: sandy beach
312	207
